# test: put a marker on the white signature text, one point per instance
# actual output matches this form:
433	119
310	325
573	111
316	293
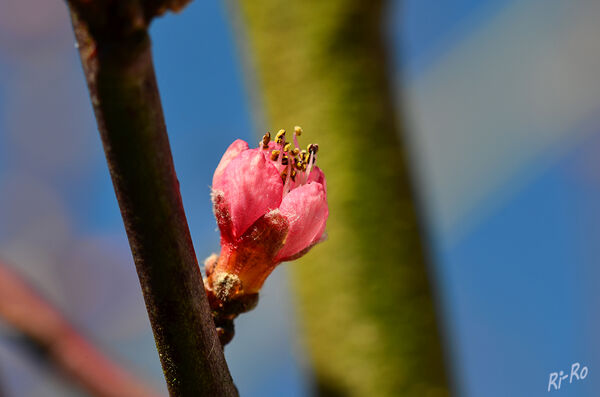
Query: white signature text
561	378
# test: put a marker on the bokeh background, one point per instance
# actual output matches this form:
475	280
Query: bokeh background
503	104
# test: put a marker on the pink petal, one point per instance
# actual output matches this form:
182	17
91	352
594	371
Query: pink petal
232	151
305	250
221	210
251	187
317	175
306	210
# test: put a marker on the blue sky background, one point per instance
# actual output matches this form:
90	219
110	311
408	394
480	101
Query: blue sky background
502	99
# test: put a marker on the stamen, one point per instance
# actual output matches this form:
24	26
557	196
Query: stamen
297	133
265	140
287	184
280	137
291	161
280	140
303	156
310	164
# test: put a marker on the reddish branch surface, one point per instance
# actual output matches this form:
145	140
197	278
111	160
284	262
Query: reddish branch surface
23	309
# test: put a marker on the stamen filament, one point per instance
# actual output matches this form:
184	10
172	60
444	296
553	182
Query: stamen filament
297	132
310	163
286	185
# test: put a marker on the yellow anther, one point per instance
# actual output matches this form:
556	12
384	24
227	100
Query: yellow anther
274	155
266	139
295	151
313	148
293	175
287	147
285	160
280	137
298	130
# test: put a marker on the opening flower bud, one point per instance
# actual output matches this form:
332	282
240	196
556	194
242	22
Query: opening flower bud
271	206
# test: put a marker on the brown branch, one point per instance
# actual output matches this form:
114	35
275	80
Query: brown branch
115	52
23	309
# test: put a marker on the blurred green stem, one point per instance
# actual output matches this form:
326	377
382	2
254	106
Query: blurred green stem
365	298
116	55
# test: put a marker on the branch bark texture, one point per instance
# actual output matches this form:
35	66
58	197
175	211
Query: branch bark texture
365	297
115	52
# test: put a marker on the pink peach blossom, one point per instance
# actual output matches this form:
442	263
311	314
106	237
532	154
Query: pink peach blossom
271	206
